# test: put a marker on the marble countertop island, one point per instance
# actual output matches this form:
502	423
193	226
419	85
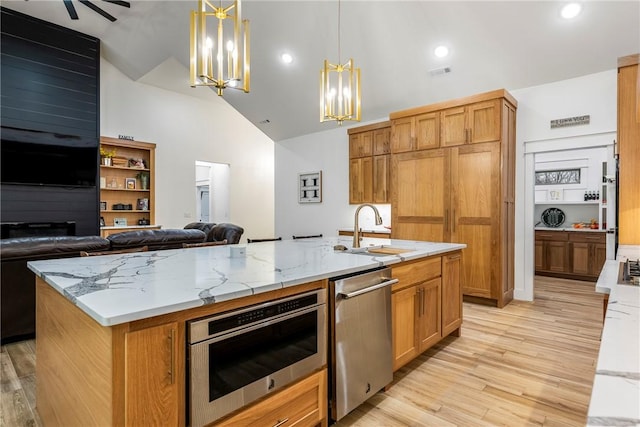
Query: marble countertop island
615	397
120	288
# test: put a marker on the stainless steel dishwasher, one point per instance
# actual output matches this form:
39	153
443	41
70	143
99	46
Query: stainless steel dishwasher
360	351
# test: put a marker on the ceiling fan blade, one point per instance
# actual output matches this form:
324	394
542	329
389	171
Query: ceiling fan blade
119	2
97	10
70	9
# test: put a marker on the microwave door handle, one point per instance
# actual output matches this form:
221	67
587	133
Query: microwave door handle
369	289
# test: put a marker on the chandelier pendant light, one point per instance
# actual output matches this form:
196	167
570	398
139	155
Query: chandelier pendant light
215	59
339	89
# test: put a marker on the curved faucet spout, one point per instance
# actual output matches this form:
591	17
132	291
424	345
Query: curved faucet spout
356	227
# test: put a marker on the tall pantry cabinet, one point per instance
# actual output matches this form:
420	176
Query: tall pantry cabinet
628	149
460	188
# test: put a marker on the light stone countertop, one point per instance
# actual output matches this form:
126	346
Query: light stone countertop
120	288
580	230
615	397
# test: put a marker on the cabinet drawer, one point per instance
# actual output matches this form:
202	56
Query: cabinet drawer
416	272
556	236
587	236
302	404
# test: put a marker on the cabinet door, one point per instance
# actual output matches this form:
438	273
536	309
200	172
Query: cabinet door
451	294
151	391
361	180
427	131
429	313
354	145
382	141
599	252
366	144
402	135
556	257
580	258
453	128
483	121
403	319
381	179
475	215
421	194
539	256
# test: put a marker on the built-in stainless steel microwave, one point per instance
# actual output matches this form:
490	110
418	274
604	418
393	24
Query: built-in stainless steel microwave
237	357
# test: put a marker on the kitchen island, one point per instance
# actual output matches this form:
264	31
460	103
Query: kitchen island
615	397
111	329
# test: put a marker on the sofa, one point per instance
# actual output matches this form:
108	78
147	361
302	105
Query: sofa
218	232
17	282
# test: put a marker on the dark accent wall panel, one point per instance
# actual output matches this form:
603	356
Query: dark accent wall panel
49	94
24	203
50	77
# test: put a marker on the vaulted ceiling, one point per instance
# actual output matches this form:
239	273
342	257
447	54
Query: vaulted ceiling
503	44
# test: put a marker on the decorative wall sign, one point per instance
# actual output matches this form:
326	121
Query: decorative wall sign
570	121
310	187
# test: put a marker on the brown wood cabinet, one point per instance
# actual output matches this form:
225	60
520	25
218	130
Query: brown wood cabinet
361	180
426	305
465	192
301	404
369	148
150	358
470	124
570	254
628	150
419	132
552	251
124	183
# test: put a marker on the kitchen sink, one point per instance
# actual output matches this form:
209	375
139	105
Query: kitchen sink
375	250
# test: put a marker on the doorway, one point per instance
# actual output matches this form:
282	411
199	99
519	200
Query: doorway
212	191
542	150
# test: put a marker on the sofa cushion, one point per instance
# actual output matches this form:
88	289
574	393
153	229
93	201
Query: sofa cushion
202	226
225	231
35	248
156	239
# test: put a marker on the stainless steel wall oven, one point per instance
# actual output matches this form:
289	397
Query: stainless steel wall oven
239	356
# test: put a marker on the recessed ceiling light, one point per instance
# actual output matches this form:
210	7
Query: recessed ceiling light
571	10
286	58
441	51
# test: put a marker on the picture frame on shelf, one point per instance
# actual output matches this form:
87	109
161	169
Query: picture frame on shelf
130	183
103	206
143	204
120	222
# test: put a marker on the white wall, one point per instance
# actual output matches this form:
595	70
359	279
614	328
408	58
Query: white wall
593	95
189	126
328	152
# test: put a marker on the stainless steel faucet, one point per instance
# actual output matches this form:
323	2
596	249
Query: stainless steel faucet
356	228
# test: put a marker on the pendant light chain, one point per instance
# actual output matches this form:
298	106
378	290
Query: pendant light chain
339	52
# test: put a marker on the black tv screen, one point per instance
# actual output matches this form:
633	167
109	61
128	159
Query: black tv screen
44	164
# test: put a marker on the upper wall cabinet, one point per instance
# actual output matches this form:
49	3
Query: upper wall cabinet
471	124
369	148
419	132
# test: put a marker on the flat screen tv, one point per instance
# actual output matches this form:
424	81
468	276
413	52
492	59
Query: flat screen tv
44	164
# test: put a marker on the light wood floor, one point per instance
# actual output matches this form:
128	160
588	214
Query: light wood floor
526	364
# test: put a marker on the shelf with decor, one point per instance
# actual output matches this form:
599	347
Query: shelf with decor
568	202
127	179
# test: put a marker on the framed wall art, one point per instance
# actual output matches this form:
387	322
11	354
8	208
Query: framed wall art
310	187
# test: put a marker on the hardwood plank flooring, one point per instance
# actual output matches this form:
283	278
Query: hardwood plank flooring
528	364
